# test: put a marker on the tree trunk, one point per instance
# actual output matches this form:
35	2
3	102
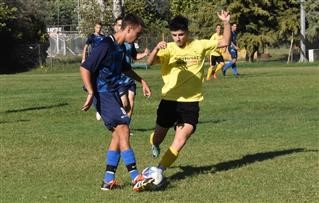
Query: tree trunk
118	8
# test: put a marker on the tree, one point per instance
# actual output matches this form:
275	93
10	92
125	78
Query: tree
22	34
312	16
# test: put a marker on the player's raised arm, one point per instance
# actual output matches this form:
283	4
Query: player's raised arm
153	58
225	17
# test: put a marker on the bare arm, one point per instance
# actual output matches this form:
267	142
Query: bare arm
84	53
86	77
153	58
142	55
225	17
146	89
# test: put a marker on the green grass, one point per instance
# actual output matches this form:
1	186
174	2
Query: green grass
257	139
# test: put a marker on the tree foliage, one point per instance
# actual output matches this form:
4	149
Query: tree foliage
22	34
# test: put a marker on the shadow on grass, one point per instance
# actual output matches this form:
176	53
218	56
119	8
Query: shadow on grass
16	121
36	108
211	121
233	164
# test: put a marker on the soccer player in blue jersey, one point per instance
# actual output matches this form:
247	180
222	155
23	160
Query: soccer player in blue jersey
93	40
101	74
232	49
127	90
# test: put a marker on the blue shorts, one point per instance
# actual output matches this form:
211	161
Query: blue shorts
109	106
125	88
233	53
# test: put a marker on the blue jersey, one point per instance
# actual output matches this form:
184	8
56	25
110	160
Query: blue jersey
233	40
94	40
106	63
129	56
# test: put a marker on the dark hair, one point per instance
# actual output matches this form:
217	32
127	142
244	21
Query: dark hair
98	23
133	20
117	19
178	23
218	25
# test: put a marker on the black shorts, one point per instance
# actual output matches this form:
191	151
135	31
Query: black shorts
216	60
173	113
124	89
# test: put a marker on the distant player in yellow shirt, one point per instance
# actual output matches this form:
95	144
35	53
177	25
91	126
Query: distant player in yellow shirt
216	58
183	75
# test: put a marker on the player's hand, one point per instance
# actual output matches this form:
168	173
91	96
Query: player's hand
146	89
161	45
224	16
88	102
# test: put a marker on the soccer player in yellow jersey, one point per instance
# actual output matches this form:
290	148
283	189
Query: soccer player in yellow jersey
216	58
183	75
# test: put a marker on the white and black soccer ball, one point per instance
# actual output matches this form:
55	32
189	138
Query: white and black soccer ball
156	174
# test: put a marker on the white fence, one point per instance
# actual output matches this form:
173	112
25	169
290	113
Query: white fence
65	44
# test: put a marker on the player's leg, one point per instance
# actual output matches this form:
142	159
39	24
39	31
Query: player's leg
186	125
221	63
183	132
156	138
166	117
234	67
131	99
211	67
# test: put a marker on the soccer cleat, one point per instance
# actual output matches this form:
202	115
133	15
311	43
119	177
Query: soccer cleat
143	184
224	72
98	116
110	185
156	151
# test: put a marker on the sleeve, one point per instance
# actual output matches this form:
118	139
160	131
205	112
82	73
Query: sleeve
126	66
209	44
95	58
89	40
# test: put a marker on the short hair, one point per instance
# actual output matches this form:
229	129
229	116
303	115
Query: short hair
98	23
117	19
218	25
133	20
178	23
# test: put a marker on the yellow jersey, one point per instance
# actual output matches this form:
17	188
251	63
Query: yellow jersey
219	51
182	70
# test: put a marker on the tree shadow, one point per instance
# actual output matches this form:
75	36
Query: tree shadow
233	164
16	121
36	108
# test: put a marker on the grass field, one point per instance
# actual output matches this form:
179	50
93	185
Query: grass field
257	139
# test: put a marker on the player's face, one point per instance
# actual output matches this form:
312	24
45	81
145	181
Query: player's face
180	37
133	32
117	26
218	29
234	27
97	28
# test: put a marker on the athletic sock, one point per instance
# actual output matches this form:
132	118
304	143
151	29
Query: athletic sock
112	161
219	67
209	73
130	163
168	159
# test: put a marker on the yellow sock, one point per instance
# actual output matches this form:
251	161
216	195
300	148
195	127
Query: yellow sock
169	157
219	66
209	72
151	138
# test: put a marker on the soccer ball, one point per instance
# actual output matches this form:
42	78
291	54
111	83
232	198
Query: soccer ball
156	174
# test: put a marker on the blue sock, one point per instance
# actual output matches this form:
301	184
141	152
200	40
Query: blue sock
234	69
228	65
112	161
129	160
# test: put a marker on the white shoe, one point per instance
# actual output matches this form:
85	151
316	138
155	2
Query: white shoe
98	116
